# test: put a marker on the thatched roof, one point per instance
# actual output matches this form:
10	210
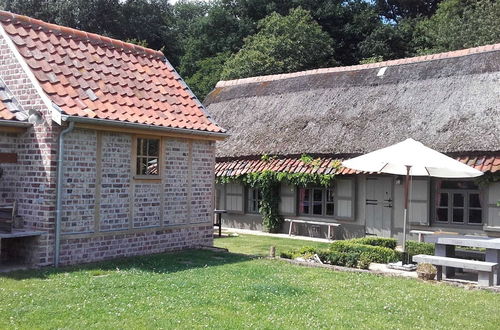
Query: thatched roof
449	102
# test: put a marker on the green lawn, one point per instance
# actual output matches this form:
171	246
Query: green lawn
197	289
260	245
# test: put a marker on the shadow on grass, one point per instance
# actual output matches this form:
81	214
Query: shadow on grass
168	262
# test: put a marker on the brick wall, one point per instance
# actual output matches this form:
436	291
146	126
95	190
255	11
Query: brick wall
33	185
8	144
176	181
115	181
79	182
113	245
202	184
107	213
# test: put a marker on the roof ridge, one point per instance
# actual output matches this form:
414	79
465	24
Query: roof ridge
6	16
401	61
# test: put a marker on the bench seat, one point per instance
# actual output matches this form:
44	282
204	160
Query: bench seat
485	269
329	224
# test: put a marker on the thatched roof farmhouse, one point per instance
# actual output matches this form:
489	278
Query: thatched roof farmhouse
448	101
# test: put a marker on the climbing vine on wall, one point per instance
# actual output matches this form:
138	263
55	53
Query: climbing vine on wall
269	182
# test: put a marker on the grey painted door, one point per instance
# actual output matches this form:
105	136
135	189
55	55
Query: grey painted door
379	206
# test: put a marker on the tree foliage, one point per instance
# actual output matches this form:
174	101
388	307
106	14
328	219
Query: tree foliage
460	24
282	44
203	38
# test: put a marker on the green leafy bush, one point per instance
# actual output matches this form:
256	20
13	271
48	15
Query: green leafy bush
413	248
303	252
378	254
364	261
389	243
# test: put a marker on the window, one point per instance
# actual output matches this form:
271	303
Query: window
148	156
253	200
458	202
317	201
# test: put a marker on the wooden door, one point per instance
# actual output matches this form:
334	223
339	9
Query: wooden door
379	206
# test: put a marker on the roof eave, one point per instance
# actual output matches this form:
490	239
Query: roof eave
15	123
114	123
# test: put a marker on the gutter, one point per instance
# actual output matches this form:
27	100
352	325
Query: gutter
13	123
107	122
60	169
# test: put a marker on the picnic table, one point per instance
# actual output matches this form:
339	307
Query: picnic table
445	247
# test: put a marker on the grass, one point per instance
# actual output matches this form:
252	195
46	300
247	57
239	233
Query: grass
260	245
205	289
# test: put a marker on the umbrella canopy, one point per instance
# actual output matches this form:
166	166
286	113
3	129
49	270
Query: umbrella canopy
423	161
411	158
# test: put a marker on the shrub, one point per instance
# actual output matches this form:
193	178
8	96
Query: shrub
413	248
304	252
364	261
378	254
389	243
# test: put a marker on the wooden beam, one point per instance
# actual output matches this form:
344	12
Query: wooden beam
13	129
146	131
6	157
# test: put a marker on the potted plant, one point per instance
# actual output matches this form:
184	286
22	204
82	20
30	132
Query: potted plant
426	271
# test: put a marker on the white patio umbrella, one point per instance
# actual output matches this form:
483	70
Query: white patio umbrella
411	158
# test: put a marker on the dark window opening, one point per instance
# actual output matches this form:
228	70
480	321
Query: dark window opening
458	202
148	155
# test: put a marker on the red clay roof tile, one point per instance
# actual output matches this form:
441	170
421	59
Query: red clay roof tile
68	62
485	163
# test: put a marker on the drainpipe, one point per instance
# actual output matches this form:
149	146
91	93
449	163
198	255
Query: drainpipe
60	169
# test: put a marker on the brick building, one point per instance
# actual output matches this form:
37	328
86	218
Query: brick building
104	150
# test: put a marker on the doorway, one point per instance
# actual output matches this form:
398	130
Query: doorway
379	204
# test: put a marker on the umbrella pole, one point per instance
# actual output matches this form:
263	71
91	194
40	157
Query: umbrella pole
405	212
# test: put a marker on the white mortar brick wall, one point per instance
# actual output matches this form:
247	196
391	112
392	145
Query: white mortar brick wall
116	180
142	232
176	177
35	181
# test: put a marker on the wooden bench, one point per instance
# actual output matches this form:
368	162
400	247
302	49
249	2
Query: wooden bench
484	269
329	224
7	217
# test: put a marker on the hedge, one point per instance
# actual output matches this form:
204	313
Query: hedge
389	243
377	254
305	252
413	248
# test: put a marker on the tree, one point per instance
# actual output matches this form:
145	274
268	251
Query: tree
459	24
282	44
396	10
220	30
208	74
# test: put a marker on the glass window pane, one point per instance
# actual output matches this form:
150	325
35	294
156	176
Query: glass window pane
458	215
142	147
474	200
443	199
475	216
458	200
304	200
317	208
442	214
152	166
318	195
142	165
329	195
153	147
330	209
